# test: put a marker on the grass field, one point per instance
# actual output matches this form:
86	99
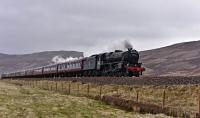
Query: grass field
26	102
183	97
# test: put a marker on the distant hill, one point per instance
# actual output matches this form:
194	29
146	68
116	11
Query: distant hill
175	60
181	59
18	62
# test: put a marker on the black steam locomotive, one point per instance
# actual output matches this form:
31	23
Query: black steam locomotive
118	63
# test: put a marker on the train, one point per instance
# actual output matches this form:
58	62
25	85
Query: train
118	64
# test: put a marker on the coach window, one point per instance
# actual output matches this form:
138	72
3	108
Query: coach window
79	64
75	65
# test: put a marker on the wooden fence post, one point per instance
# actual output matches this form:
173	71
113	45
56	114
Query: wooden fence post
130	89
163	104
43	85
47	85
56	86
88	89
40	84
69	87
199	102
117	90
61	86
137	97
51	86
31	84
100	91
77	88
36	83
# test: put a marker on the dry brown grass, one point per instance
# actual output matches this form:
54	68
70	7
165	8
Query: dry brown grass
17	100
183	97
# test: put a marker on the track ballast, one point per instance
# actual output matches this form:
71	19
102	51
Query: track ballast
128	80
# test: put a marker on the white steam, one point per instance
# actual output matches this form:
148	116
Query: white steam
59	59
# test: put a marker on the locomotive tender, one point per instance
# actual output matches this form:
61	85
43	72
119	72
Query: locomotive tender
118	63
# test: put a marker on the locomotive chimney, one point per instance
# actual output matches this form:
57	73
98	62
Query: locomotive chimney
130	49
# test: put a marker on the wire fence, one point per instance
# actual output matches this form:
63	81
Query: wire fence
183	102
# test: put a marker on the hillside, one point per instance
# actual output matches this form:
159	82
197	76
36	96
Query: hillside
17	62
181	59
175	60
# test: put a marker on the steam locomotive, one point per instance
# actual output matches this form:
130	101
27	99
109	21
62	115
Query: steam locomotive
118	63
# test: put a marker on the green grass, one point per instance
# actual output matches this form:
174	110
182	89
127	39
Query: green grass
26	102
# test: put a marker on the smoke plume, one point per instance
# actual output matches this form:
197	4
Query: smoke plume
118	45
59	59
127	44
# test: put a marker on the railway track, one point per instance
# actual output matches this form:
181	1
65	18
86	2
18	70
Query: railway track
128	81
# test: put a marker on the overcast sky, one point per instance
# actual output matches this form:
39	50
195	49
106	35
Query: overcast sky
95	25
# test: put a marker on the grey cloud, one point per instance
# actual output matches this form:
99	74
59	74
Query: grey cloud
90	25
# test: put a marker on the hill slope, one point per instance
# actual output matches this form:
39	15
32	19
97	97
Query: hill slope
174	60
181	59
18	62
